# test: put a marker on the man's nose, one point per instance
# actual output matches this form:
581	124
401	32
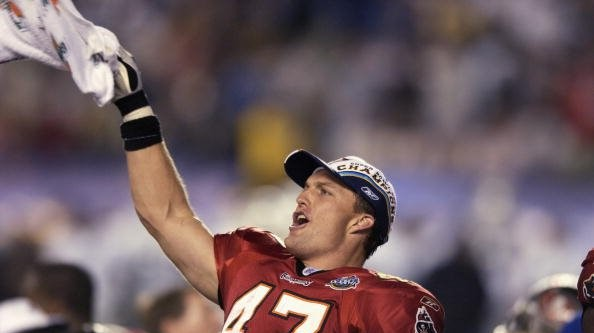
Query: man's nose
302	198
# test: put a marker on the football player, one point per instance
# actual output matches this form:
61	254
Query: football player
314	281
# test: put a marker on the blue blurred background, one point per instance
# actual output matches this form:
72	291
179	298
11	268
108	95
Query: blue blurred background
481	112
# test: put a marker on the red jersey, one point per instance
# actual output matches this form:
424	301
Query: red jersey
261	290
586	282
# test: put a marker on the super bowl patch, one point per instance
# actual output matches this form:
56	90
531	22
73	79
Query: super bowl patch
424	322
344	283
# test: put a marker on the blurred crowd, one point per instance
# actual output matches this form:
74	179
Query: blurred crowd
481	112
412	83
54	297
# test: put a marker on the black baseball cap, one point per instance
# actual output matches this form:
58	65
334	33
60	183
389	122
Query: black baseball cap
354	172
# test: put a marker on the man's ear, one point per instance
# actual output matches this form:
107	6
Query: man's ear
363	223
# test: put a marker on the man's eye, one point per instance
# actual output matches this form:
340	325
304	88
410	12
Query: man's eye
324	192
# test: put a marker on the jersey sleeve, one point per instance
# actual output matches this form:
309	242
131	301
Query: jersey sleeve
411	309
586	281
249	244
229	245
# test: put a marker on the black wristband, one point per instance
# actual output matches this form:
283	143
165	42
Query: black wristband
131	102
141	133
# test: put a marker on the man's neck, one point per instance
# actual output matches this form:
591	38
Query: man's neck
336	260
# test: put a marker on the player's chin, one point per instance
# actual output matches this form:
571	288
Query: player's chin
293	238
295	233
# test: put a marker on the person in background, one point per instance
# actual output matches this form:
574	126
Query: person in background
61	290
458	282
65	293
574	325
16	257
181	310
550	304
585	288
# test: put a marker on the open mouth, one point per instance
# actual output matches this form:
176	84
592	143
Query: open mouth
299	219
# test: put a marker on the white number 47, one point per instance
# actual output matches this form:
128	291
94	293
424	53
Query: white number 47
313	312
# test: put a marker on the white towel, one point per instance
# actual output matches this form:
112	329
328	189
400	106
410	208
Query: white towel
55	33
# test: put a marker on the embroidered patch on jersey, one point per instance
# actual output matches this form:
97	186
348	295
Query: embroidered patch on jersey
424	322
588	288
344	283
287	277
430	303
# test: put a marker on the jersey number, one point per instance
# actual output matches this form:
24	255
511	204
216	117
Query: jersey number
313	312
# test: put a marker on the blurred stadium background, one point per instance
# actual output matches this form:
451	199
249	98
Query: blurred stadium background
481	112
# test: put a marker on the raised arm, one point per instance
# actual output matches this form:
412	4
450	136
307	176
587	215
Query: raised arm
158	193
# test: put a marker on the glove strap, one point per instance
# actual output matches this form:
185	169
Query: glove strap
131	102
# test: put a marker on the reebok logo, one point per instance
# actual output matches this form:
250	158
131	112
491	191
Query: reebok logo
369	193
